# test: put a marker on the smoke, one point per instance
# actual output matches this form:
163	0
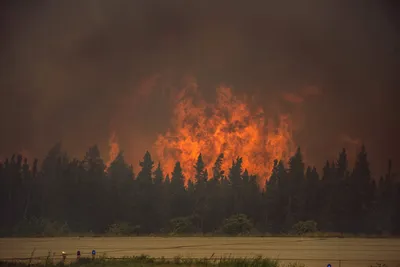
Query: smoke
69	70
298	97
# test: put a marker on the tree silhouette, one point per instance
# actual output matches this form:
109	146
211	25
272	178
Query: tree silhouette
82	195
200	194
178	193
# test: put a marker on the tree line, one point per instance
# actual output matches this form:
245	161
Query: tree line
80	196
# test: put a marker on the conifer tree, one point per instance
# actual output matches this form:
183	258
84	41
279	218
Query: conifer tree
179	199
145	195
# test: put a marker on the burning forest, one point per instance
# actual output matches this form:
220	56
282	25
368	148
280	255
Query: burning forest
227	127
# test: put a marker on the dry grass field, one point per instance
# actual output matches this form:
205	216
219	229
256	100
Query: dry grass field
310	251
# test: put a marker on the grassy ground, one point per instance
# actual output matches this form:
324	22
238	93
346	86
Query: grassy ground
147	261
313	252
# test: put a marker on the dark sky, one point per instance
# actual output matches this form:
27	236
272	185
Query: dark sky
74	70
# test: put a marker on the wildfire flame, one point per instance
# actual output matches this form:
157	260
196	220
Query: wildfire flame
114	148
227	126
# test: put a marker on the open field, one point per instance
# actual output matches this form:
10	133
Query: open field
311	251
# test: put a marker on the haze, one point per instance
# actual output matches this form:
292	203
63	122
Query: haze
76	71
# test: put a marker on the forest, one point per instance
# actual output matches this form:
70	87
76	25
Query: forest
60	196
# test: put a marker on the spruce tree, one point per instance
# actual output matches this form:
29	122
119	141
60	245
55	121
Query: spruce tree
179	200
145	195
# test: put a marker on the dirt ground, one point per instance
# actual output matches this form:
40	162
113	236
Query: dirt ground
310	251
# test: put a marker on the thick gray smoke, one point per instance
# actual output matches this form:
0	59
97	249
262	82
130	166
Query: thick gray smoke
75	70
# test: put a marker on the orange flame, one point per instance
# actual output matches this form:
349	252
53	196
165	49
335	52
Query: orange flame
114	149
227	126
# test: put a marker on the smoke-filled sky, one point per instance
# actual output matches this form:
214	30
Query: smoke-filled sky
77	70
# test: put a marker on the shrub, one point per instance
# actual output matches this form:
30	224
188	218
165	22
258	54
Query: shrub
31	227
122	228
54	228
304	227
40	227
237	224
257	261
181	225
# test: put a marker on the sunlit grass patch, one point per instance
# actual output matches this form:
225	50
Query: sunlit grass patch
147	261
